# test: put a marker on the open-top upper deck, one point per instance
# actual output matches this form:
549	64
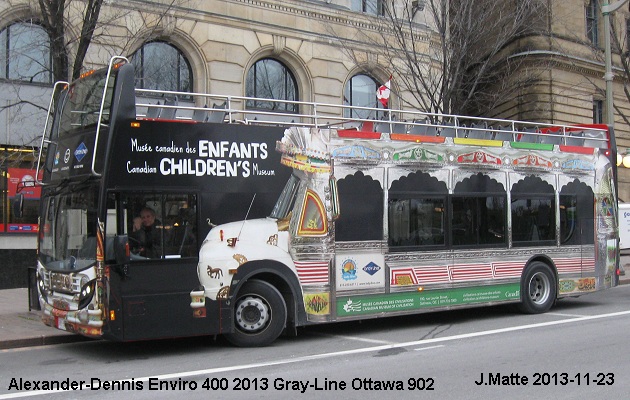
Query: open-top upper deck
90	118
352	122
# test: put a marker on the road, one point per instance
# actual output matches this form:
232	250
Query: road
577	350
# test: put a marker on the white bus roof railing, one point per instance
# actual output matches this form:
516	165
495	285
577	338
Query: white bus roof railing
234	109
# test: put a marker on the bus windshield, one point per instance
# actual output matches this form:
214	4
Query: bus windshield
81	103
67	238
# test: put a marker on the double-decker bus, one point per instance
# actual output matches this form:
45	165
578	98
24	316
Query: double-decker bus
167	214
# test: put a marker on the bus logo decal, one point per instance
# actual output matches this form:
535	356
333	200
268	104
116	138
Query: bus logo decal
57	156
349	271
352	307
66	156
80	152
371	268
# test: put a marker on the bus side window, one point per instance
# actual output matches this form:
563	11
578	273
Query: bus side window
478	212
577	214
361	207
416	222
142	223
416	211
533	212
161	225
180	225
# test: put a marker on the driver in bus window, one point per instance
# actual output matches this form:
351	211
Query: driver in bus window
137	224
146	236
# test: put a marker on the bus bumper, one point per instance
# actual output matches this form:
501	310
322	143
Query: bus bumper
84	322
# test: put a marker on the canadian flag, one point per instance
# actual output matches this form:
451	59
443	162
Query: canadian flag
382	93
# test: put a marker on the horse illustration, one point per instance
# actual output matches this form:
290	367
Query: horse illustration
215	272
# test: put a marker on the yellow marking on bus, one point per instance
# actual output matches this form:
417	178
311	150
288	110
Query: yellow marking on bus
479	142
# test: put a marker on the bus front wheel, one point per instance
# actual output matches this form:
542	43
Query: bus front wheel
260	315
538	289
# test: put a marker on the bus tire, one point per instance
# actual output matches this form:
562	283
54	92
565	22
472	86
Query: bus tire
260	315
538	289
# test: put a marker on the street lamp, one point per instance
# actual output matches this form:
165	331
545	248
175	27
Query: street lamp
623	159
607	9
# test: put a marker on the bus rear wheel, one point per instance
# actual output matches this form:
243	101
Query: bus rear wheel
260	315
538	289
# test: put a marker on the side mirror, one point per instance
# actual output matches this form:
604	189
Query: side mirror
17	205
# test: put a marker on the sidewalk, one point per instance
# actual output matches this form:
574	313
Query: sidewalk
20	327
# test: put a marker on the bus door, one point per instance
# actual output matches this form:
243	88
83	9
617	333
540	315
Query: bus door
153	286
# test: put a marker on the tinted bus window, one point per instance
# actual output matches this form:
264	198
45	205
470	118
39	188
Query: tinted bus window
82	103
417	212
161	226
577	214
533	212
478	212
361	209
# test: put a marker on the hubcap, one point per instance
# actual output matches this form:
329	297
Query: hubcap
252	314
539	287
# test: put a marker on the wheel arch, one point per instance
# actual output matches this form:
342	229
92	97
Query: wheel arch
282	278
545	259
534	300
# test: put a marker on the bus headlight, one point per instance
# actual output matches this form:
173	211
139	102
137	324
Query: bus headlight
42	288
87	292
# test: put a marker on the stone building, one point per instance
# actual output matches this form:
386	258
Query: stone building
566	59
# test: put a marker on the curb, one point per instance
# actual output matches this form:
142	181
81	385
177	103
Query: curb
42	340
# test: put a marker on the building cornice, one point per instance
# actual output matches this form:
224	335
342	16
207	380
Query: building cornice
594	68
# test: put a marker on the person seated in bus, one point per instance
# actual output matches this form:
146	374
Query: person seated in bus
137	224
147	239
136	236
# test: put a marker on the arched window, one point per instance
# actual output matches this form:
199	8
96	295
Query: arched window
360	91
533	212
162	66
577	214
361	208
417	212
478	212
25	53
270	79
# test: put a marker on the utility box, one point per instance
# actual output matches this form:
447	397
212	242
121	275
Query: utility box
624	227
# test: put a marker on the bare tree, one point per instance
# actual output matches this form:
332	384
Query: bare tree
449	56
74	28
69	53
53	19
